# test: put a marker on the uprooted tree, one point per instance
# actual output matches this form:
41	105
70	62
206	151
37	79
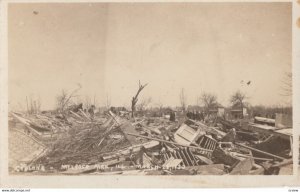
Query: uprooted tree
135	98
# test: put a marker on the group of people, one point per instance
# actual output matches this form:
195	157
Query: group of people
195	115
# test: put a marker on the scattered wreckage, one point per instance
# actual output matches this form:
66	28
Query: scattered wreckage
76	143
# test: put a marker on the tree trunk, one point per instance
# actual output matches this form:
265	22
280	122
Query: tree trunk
135	98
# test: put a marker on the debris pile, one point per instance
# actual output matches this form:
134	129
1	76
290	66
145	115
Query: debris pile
78	143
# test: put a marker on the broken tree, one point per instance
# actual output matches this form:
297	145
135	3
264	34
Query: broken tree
135	98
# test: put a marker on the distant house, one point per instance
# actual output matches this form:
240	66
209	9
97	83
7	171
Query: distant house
218	110
238	111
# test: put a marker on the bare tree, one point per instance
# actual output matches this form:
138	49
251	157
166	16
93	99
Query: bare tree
287	86
64	99
38	104
160	106
61	100
88	102
27	106
144	103
182	98
34	105
135	98
209	101
198	100
95	102
108	102
238	99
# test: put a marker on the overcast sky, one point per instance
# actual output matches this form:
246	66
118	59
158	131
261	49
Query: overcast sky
107	48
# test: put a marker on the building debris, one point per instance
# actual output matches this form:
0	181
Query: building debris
78	142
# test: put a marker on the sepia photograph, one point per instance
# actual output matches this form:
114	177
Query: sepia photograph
155	88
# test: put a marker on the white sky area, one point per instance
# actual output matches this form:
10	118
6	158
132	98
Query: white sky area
109	47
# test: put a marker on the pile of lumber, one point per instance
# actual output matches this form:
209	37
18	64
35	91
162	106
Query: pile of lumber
152	146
